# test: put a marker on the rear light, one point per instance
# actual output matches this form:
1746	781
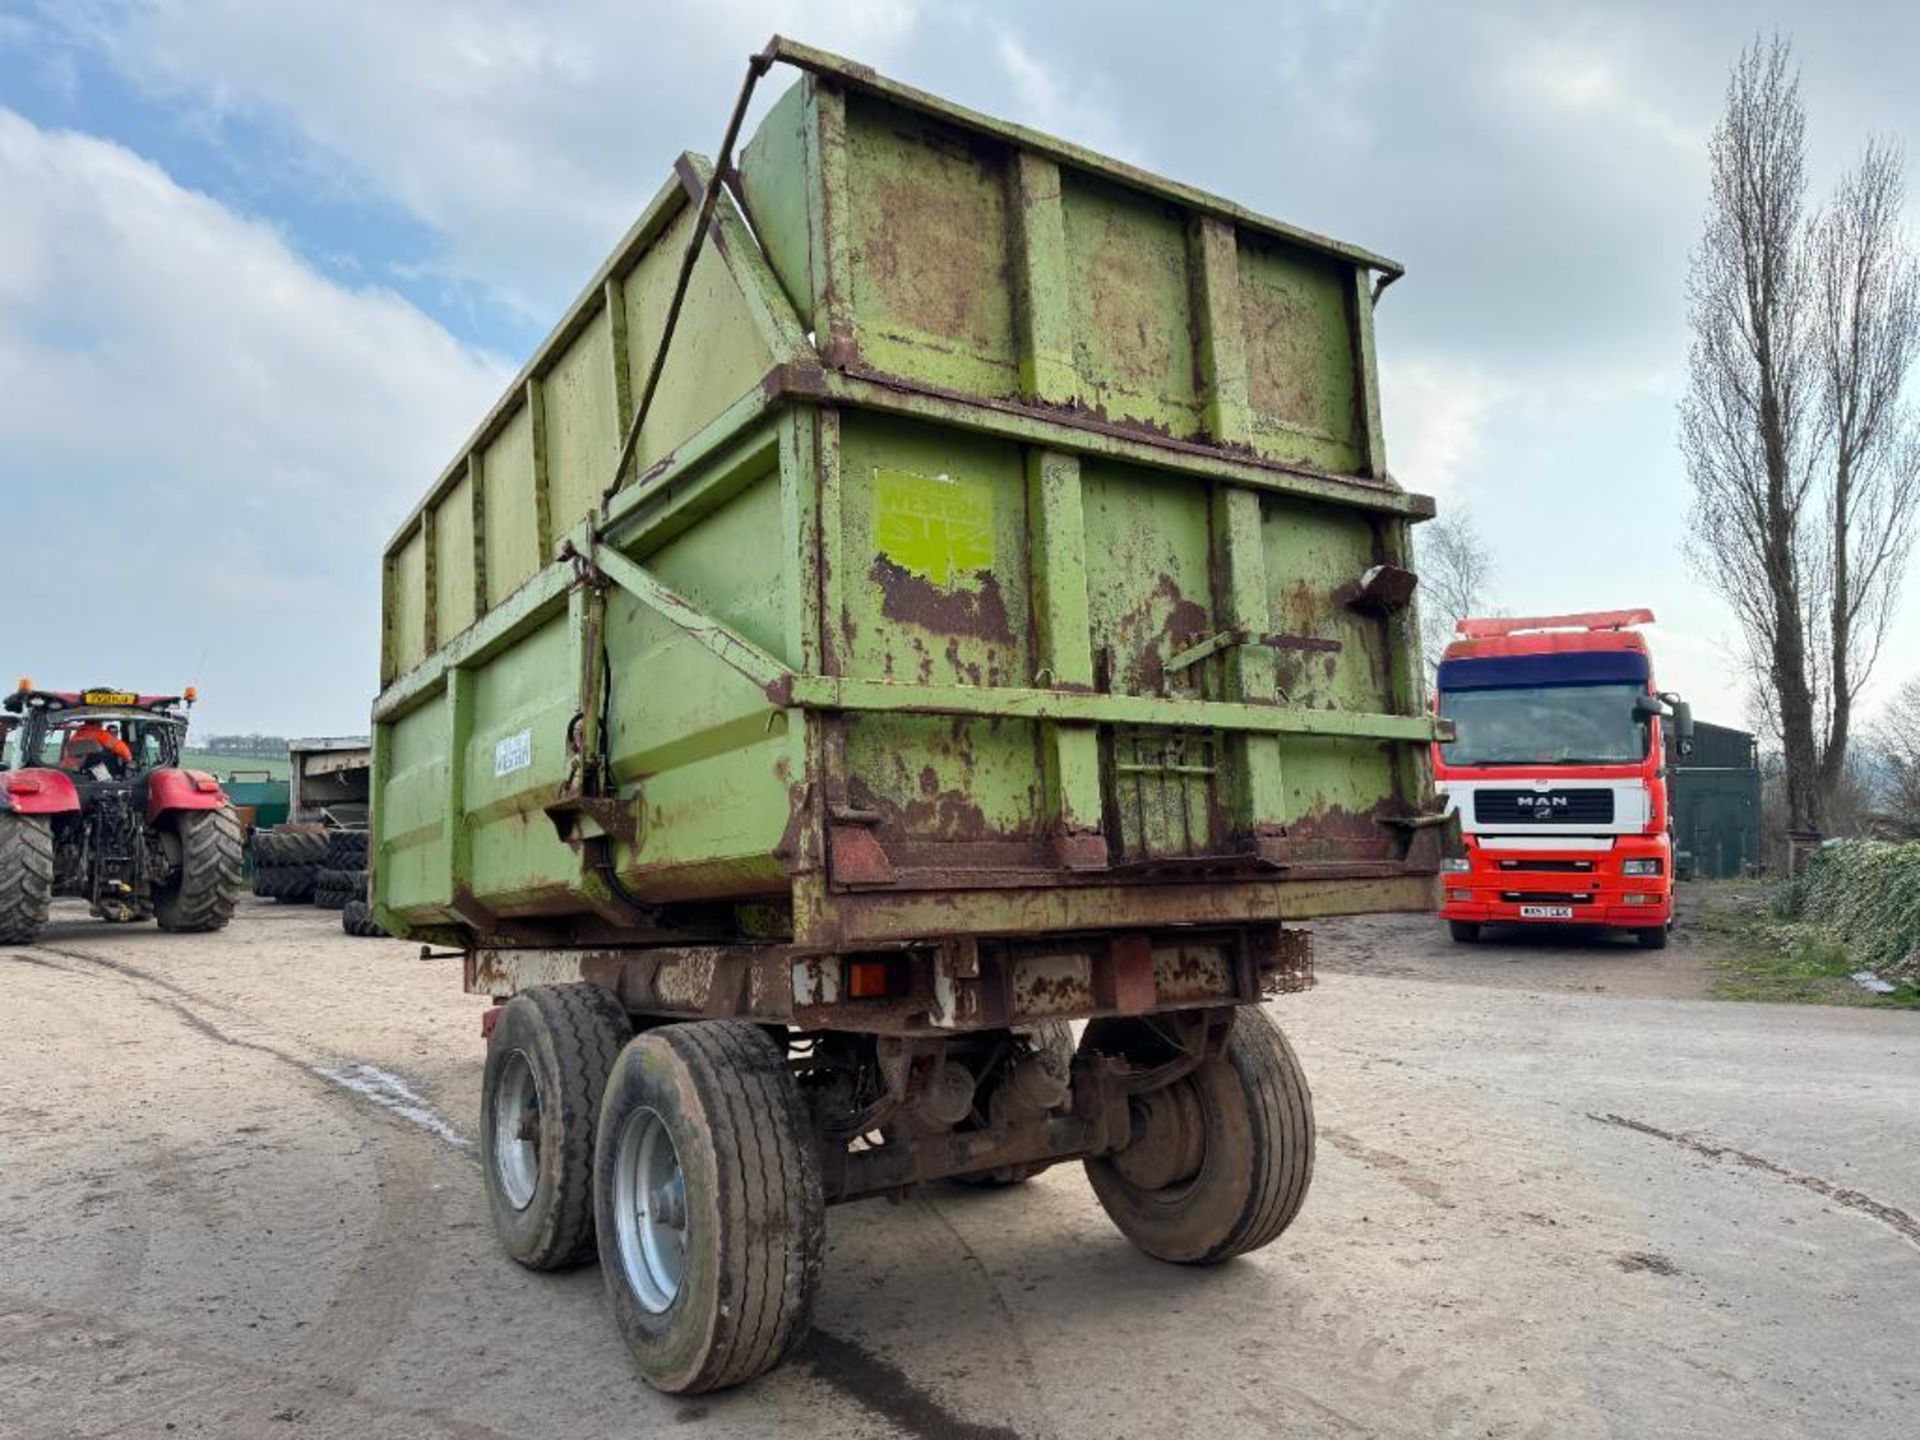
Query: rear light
1456	865
1640	867
1459	894
874	979
23	784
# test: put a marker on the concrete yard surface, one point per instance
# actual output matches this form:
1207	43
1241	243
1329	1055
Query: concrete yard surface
1554	1197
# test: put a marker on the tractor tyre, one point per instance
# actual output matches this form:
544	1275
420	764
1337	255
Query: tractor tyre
346	849
296	885
305	847
26	877
202	895
331	889
1221	1158
708	1204
356	918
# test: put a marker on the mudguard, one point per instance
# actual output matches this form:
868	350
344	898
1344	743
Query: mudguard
38	792
174	790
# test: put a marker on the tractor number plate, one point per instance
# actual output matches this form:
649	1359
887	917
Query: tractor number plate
108	697
1546	912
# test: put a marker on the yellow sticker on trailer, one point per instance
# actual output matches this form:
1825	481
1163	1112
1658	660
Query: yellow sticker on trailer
108	697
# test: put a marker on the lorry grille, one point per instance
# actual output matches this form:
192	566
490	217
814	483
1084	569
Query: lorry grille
1592	806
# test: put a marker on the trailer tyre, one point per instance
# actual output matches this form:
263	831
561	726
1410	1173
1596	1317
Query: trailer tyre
202	893
708	1204
26	877
547	1064
1221	1159
1464	932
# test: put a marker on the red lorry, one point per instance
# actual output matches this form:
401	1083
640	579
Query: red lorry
1557	775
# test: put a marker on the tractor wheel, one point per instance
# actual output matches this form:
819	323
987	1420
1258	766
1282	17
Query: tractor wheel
346	849
356	918
1220	1159
547	1065
707	1200
26	877
1056	1037
201	896
331	889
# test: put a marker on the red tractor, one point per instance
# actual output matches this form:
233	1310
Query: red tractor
93	803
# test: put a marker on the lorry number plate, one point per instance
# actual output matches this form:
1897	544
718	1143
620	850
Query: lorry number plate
513	753
1546	912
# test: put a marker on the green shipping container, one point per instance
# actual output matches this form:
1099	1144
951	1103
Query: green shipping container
1004	620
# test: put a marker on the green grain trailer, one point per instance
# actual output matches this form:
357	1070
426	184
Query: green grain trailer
999	618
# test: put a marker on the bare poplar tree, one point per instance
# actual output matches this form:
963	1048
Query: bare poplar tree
1805	470
1868	294
1455	573
1896	739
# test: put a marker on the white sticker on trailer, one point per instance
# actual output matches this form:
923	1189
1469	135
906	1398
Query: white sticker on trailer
513	753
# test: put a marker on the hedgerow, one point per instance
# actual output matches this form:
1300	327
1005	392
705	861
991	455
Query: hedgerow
1865	894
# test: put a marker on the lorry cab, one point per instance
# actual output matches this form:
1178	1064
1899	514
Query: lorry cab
1557	775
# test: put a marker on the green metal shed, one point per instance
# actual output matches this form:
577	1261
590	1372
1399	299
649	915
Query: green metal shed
1715	795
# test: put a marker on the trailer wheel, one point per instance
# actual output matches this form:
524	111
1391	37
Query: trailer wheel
1464	932
26	877
708	1204
1221	1159
202	893
1055	1036
1652	937
547	1064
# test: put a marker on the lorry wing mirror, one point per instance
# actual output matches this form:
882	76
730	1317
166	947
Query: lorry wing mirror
1682	726
1645	707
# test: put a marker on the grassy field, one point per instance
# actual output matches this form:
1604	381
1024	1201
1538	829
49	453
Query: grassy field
1759	957
224	765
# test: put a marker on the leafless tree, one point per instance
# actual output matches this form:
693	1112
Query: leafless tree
1896	744
1455	575
1868	292
1802	454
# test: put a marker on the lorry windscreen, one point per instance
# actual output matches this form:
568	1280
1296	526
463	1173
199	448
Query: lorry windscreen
1544	725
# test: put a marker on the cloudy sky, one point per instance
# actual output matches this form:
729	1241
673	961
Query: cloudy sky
262	266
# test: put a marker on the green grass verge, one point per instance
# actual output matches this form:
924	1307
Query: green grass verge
1756	956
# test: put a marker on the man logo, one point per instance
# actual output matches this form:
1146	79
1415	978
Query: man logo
1543	806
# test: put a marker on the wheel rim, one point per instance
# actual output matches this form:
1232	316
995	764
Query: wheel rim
650	1205
516	1130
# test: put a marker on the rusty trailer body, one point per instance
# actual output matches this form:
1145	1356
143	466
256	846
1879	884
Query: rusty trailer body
1001	617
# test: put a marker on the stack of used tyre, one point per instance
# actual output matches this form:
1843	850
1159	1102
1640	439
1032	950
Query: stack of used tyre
287	861
343	871
342	882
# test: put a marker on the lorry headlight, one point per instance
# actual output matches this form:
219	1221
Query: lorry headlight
1459	894
1456	864
1640	867
1637	899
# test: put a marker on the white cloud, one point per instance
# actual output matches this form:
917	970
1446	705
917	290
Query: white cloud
1436	413
527	137
207	440
1048	103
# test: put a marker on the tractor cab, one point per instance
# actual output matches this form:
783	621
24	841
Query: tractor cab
100	736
